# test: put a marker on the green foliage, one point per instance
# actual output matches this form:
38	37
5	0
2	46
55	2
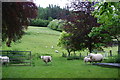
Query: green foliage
39	22
113	59
108	15
101	34
56	24
73	58
64	40
52	11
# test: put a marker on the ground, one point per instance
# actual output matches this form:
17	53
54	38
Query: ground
39	40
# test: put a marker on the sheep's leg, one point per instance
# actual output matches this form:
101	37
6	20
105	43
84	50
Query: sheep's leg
46	62
90	61
5	64
100	60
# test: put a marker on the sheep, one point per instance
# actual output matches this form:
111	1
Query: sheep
4	59
46	46
52	47
56	51
46	59
96	57
86	59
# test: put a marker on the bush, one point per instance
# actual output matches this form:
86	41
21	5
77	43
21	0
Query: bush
39	22
64	55
114	59
73	58
56	24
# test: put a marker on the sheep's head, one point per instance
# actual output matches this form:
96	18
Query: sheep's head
85	57
41	57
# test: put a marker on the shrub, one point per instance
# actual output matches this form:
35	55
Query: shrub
73	58
39	22
64	55
53	24
56	24
114	59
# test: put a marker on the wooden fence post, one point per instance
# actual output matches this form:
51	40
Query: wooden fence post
110	52
30	59
80	54
87	53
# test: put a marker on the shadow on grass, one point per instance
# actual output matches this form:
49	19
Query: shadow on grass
47	64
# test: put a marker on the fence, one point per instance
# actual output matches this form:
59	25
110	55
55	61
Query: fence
18	58
105	54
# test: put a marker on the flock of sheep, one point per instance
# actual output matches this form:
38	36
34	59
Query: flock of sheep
90	58
93	58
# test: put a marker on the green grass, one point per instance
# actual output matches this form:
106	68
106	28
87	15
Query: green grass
36	39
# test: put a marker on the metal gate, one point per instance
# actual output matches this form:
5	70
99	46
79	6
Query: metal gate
18	58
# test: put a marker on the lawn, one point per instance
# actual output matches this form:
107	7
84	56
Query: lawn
39	40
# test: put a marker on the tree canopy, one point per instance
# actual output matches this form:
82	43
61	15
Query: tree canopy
15	18
50	12
79	24
108	14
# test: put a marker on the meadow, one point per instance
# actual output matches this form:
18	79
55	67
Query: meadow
39	40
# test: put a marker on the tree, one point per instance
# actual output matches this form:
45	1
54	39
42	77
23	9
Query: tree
15	18
52	11
64	42
108	14
82	22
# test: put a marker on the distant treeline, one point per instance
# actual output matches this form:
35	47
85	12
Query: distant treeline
45	15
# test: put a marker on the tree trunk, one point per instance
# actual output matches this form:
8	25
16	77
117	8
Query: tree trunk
68	52
90	49
118	47
90	46
74	53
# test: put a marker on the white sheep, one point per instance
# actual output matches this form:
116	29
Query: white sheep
56	51
46	46
96	57
86	59
4	59
46	59
52	47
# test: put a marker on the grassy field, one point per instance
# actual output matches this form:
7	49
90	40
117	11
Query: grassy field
39	40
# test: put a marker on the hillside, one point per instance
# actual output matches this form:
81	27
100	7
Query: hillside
39	40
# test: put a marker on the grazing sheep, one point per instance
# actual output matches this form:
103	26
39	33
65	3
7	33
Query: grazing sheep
4	59
46	59
52	47
56	51
96	57
86	59
46	46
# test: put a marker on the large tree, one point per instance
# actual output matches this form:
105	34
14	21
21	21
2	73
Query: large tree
15	18
108	14
81	24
